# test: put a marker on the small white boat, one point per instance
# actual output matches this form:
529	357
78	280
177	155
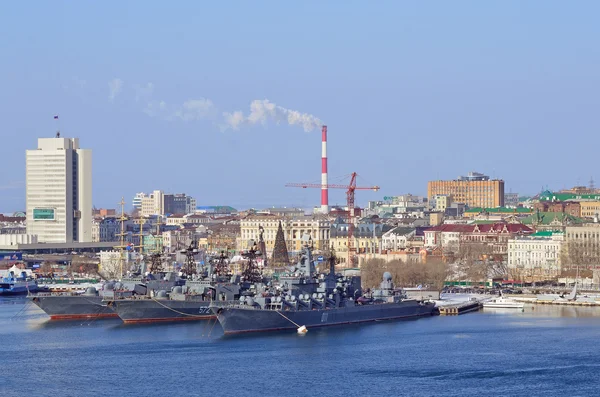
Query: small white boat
504	303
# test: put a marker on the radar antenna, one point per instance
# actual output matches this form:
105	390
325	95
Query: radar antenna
252	272
221	265
189	268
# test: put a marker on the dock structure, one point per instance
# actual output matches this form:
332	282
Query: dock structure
579	301
460	308
567	303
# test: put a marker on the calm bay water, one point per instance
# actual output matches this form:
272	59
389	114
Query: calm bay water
546	351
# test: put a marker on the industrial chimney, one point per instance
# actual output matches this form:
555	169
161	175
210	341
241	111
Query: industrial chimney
324	191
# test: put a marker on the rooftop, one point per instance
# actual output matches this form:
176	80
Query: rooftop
503	210
547	218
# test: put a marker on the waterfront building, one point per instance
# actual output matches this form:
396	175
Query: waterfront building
159	203
583	246
551	221
397	238
396	205
499	211
536	257
152	204
286	212
436	218
317	226
590	209
474	190
59	191
177	219
367	236
440	202
96	229
104	212
491	236
570	207
110	228
178	203
137	201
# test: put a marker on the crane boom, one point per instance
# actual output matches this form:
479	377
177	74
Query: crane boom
351	187
330	186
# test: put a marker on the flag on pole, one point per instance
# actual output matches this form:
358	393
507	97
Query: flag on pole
56	117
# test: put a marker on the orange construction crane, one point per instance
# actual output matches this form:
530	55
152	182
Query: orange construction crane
350	198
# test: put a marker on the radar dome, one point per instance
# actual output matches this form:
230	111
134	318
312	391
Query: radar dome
178	290
90	291
161	294
109	286
387	276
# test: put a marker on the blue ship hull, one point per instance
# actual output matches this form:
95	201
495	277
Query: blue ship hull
237	319
22	289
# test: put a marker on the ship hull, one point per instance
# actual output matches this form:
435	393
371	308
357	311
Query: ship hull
19	288
73	307
133	311
236	320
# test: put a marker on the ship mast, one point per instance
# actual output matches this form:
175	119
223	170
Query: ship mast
141	244
121	246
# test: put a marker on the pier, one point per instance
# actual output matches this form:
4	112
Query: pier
460	308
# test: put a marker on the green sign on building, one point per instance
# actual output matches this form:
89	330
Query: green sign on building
43	214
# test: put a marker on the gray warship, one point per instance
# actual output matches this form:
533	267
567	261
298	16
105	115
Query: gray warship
304	299
189	302
91	303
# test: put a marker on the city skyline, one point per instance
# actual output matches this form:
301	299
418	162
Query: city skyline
187	98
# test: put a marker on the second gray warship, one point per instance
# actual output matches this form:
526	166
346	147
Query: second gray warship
72	305
305	299
188	302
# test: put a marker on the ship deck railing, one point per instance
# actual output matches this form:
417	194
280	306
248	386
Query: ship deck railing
57	293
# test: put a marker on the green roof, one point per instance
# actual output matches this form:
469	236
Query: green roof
546	233
549	196
546	218
500	210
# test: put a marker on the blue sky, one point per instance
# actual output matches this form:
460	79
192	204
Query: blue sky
410	91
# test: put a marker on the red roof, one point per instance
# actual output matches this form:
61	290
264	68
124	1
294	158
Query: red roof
451	228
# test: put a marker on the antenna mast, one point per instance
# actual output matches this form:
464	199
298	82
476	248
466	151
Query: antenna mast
121	246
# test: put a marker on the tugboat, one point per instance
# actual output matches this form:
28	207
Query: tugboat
17	285
305	299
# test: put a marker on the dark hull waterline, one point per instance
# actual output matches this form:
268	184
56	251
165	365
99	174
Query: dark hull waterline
73	307
237	320
139	311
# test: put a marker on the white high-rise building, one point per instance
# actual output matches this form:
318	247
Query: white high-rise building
59	191
153	204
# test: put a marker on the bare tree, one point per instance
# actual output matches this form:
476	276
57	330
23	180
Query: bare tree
371	272
437	272
578	253
110	269
404	274
47	268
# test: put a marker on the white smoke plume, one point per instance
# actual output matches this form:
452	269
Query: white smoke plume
190	110
262	111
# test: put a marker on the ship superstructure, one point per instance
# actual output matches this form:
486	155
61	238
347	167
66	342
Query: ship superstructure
304	299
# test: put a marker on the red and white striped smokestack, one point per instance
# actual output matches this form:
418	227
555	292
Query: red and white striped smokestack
324	190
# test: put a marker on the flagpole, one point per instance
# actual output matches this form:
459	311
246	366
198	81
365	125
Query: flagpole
57	125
